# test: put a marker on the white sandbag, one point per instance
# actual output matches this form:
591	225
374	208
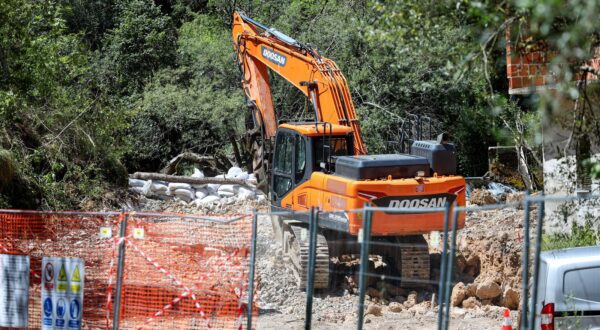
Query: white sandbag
159	187
139	190
261	198
146	191
199	186
227	190
245	194
201	193
234	171
210	199
251	176
242	176
184	194
213	188
179	185
136	183
198	173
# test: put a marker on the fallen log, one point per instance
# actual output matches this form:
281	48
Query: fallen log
191	180
207	162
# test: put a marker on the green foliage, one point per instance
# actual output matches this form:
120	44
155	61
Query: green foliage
587	234
7	168
195	107
142	42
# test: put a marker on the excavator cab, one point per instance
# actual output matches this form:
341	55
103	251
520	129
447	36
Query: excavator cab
303	148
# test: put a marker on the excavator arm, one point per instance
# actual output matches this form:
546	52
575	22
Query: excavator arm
260	48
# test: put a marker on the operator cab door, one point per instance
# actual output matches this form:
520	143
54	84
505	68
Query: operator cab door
289	165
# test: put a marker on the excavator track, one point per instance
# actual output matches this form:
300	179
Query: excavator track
415	262
298	252
409	258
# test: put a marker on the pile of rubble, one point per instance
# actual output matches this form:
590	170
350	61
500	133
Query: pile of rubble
202	195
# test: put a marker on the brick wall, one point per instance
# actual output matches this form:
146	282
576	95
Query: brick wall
527	70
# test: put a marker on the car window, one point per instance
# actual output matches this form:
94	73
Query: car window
583	284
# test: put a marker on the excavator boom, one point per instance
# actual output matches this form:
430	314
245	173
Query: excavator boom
260	48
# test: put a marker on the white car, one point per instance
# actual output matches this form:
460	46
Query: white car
569	289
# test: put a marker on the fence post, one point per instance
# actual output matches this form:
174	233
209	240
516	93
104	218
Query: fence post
525	263
443	267
536	262
252	267
364	263
120	268
312	251
450	267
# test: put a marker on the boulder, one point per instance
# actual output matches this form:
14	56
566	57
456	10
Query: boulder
510	298
411	300
374	293
471	303
459	293
374	310
517	197
488	290
482	197
395	307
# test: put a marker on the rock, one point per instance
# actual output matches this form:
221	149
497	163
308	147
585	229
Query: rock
459	293
471	303
482	197
210	199
471	289
517	197
411	300
510	299
374	293
395	307
374	310
488	290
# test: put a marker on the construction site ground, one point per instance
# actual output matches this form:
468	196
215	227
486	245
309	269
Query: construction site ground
488	260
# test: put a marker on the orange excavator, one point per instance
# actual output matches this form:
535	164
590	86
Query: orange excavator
324	163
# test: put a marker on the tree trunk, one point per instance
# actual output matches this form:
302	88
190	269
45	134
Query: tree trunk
191	180
205	161
523	168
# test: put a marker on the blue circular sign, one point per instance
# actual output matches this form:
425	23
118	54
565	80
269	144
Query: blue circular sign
75	309
48	307
61	307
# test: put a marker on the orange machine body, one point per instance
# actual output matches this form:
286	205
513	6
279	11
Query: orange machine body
333	193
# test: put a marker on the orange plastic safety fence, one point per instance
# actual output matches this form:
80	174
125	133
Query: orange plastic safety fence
186	273
180	272
62	235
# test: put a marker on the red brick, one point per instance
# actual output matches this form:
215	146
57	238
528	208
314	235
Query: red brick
515	83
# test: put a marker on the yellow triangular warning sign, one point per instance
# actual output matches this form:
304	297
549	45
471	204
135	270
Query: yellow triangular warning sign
62	275
76	277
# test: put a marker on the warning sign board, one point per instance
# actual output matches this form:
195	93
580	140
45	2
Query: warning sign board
62	297
14	291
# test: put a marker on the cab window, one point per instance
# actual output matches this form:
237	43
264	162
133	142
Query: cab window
326	147
300	166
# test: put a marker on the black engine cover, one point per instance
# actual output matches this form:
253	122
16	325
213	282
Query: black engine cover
370	167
